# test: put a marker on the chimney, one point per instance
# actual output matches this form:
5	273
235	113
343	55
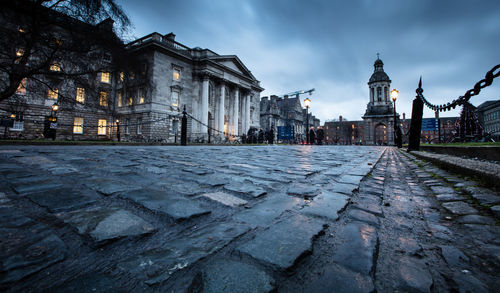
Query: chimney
436	114
404	116
340	118
170	36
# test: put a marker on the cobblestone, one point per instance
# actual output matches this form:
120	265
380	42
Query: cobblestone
243	219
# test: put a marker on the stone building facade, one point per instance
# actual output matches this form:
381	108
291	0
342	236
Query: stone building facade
489	116
142	102
379	115
276	111
218	91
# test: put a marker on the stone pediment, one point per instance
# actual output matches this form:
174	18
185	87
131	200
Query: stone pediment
234	63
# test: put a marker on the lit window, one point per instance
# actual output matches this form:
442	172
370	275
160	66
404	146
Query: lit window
18	122
105	77
21	30
80	95
127	126
139	125
141	96
55	66
120	96
177	74
78	125
103	99
101	128
21	89
131	75
175	99
53	94
121	76
130	101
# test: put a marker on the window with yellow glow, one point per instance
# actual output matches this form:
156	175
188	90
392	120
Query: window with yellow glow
78	125
53	94
80	95
21	89
103	99
101	127
105	77
121	76
175	99
120	96
141	96
55	66
130	101
177	74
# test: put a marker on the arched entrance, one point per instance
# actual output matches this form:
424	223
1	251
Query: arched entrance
380	134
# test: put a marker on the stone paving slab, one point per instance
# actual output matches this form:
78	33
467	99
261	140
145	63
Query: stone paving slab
225	199
266	212
459	208
231	276
326	205
63	199
245	188
336	278
175	206
26	246
103	224
356	250
108	186
157	265
283	243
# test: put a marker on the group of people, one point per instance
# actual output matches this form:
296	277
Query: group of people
316	137
260	136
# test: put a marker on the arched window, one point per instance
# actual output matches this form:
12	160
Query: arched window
379	94
385	93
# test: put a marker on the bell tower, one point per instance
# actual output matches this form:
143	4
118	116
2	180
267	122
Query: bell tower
379	115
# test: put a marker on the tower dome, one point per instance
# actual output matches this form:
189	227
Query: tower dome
378	72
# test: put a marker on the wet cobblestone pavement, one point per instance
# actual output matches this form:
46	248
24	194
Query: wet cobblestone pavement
241	219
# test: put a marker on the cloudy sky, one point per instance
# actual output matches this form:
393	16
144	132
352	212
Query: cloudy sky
331	45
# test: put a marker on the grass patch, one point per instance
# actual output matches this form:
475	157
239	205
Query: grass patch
460	144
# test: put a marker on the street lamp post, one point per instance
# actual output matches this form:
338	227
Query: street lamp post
394	95
53	120
307	103
118	129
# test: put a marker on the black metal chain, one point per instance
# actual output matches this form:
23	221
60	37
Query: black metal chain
487	81
211	128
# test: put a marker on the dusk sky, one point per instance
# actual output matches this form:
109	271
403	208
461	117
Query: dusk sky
331	45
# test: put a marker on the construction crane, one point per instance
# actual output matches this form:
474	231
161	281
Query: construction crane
301	92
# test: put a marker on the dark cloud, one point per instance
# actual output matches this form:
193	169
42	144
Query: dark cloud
331	45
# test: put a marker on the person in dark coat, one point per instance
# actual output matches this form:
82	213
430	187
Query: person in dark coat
261	136
321	135
312	136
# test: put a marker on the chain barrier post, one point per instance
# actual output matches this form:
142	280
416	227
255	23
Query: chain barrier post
184	127
416	120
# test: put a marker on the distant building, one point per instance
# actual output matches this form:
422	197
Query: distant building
489	116
344	132
276	111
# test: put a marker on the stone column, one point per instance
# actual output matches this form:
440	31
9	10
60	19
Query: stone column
236	110
247	114
243	114
221	108
204	105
